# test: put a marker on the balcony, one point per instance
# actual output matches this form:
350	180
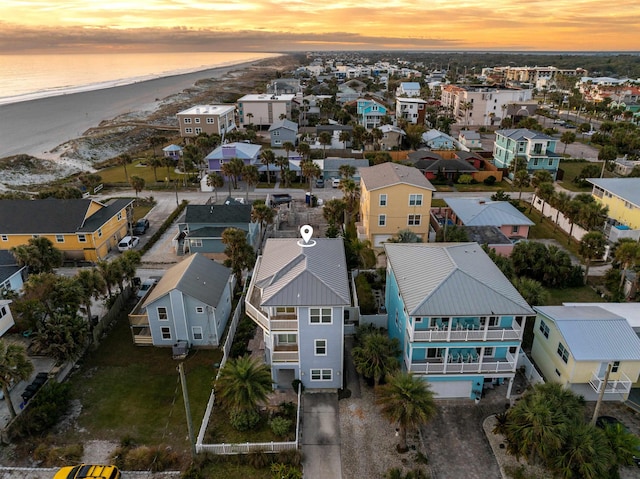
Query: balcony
486	365
285	354
140	330
620	386
457	331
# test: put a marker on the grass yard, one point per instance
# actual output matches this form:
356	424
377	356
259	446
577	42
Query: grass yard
115	174
573	169
583	294
480	187
134	392
543	229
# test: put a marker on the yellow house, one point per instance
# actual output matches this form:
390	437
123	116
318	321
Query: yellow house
83	229
622	196
393	197
575	345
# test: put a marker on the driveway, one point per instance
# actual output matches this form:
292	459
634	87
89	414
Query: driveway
321	436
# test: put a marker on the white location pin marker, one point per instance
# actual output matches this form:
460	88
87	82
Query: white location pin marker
306	232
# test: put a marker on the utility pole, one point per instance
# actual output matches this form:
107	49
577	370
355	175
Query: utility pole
596	411
187	408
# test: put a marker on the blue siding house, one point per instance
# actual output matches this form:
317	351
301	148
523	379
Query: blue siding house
297	296
536	149
190	304
12	275
459	320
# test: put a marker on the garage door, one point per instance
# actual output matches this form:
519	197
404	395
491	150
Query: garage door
451	389
379	239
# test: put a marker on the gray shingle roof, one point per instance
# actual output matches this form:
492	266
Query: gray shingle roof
292	275
452	279
484	212
216	214
626	188
520	134
594	334
388	174
441	165
196	276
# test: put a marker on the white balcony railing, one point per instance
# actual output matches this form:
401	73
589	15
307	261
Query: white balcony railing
284	324
284	357
488	334
486	365
621	385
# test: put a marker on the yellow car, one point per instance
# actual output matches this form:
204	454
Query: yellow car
88	471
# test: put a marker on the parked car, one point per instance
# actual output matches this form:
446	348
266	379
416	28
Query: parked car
141	226
128	242
145	287
280	199
603	422
335	182
88	471
320	183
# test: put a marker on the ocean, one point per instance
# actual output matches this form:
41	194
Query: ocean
28	77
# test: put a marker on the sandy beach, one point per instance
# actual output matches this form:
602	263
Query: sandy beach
35	127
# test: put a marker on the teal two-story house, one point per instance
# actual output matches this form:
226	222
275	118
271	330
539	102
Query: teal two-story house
536	149
459	320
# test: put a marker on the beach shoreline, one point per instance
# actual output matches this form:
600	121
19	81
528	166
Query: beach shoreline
73	133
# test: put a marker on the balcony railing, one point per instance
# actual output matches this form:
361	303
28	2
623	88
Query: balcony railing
621	385
284	357
284	325
487	365
490	334
138	320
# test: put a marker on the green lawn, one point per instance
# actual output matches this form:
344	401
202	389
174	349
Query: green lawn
573	169
129	391
115	174
502	185
544	229
584	294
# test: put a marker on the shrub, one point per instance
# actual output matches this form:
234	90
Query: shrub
145	458
489	180
283	471
44	411
365	295
465	179
244	420
258	459
52	456
287	409
291	457
280	426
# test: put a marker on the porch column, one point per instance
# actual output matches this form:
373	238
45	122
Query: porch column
509	388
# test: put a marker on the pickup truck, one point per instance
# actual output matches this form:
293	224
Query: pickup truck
280	199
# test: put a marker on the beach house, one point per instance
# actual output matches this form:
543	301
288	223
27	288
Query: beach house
393	197
622	198
575	345
458	319
413	110
298	295
82	229
209	119
189	305
12	275
370	113
263	110
537	150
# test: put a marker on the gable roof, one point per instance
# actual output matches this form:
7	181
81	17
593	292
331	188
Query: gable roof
240	150
594	334
470	134
284	123
484	212
292	275
452	165
214	214
521	134
196	276
626	188
434	134
8	265
388	174
55	216
452	279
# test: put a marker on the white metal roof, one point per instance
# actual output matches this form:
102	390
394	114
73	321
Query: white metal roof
208	110
452	279
484	212
626	188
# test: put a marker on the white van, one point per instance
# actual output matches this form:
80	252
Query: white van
128	242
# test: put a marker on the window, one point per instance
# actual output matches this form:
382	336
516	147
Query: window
488	352
320	315
196	332
563	353
162	314
196	120
321	374
188	130
321	347
196	243
210	121
5	238
187	120
382	220
544	329
3	311
418	320
166	332
535	162
290	339
119	216
414	220
82	238
198	131
383	200
537	148
275	133
515	228
615	366
415	200
550	161
59	238
199	309
285	310
100	233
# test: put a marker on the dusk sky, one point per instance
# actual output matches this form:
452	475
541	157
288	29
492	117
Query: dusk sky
269	25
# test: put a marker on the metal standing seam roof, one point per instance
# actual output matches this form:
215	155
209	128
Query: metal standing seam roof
452	279
388	174
520	134
484	212
196	276
594	334
292	275
626	188
284	123
243	151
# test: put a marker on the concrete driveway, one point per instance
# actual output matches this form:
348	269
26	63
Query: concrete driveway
321	436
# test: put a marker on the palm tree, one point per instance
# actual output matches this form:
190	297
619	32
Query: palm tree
156	141
585	453
215	181
325	139
521	180
268	157
591	247
243	384
333	212
560	201
39	255
92	284
251	177
627	253
137	184
545	192
376	136
566	138
240	254
124	159
351	192
310	171
363	251
283	163
377	356
14	366
344	137
288	147
531	290
347	171
304	150
623	443
407	401
155	163
261	214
